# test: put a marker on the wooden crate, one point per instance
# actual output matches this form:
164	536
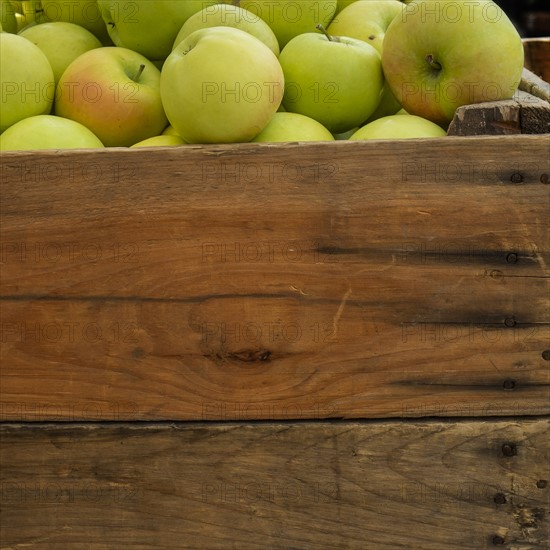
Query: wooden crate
302	346
204	289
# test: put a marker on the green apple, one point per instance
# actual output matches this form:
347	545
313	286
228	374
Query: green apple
227	15
221	85
61	42
148	27
345	135
343	4
115	92
48	132
400	126
27	12
367	20
289	18
26	80
442	54
285	127
388	104
160	141
7	16
21	21
170	131
85	13
335	80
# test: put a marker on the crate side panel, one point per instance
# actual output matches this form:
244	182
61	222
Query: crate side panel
358	279
466	485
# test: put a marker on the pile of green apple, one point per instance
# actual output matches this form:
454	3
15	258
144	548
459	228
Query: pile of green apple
125	73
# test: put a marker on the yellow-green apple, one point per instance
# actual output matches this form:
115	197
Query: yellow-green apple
27	13
21	22
366	20
48	132
285	127
343	4
402	126
7	16
61	42
442	54
160	141
26	80
388	104
227	15
170	131
85	13
221	85
345	135
148	27
289	18
115	92
335	80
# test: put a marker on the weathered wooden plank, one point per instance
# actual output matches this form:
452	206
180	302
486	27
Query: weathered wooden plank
537	56
238	358
533	84
524	114
469	485
528	112
367	283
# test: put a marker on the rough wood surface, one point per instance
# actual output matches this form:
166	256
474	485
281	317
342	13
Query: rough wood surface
430	486
276	282
524	114
537	56
528	112
533	84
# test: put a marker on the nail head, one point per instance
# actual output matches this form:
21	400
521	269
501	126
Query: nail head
509	449
516	178
512	258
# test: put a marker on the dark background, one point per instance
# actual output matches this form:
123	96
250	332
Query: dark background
531	17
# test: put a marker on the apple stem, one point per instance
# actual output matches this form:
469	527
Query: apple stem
433	63
139	73
324	31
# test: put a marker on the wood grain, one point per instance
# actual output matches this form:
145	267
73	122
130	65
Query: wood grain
524	114
537	56
347	280
466	485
